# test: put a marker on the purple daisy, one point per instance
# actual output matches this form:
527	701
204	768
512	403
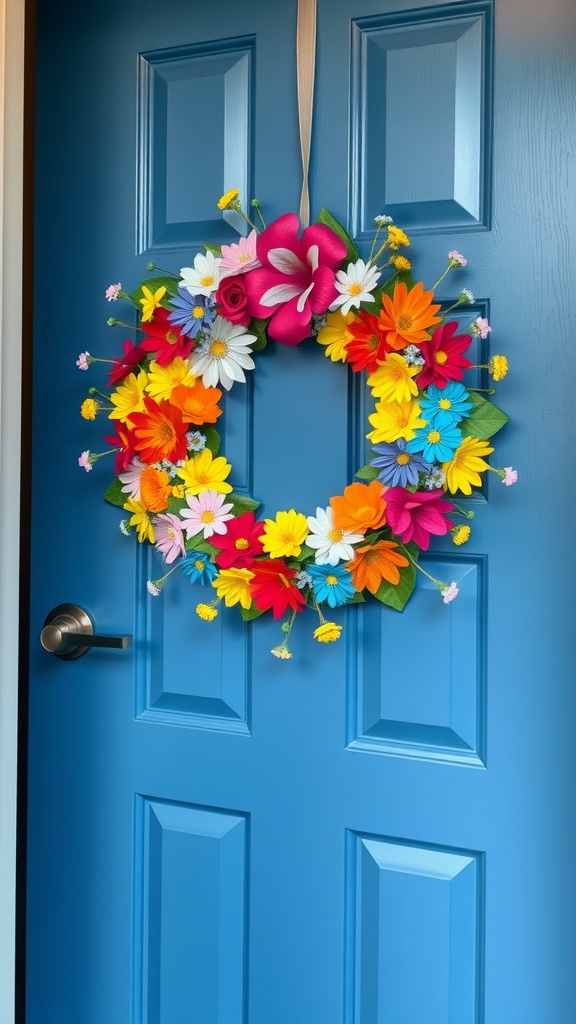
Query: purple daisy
399	468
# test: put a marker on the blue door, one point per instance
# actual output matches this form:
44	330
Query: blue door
379	830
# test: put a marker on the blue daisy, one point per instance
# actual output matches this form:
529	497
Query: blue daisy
399	467
445	407
198	567
192	312
436	444
331	583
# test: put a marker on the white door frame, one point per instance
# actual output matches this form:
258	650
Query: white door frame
11	188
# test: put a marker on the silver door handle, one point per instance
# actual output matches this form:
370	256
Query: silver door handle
68	632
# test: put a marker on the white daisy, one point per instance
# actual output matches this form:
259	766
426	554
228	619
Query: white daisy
355	285
223	357
204	277
332	545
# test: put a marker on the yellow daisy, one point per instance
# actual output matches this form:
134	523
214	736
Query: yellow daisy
141	520
129	397
163	379
151	301
392	420
234	586
284	536
335	335
204	472
463	470
393	379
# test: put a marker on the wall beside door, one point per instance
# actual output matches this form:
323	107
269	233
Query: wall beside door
11	174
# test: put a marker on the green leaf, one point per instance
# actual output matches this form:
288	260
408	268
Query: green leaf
250	613
367	473
396	596
154	283
216	250
485	419
306	553
258	327
357	599
241	503
175	505
115	495
197	543
326	218
212	439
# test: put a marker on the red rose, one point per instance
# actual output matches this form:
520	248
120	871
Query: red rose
232	299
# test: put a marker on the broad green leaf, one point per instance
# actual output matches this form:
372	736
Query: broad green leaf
197	543
250	613
212	438
175	505
306	553
357	599
115	495
326	218
241	503
485	419
367	473
258	327
154	283
216	250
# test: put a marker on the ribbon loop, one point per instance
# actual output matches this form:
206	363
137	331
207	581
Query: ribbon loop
305	69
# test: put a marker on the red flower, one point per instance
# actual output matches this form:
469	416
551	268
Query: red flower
272	586
165	339
443	355
124	440
160	432
122	367
368	344
296	279
240	544
232	300
414	516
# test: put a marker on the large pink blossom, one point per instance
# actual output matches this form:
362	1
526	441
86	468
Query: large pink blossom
414	516
296	279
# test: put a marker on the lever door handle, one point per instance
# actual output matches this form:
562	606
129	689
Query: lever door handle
68	632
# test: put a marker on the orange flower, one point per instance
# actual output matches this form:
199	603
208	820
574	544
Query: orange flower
360	508
197	404
155	489
159	433
406	316
373	563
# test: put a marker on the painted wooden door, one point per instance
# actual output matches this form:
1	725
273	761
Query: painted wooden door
382	831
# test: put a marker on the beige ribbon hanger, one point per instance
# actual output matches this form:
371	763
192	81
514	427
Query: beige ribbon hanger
305	68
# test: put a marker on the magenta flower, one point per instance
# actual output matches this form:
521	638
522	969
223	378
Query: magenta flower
169	537
414	516
296	279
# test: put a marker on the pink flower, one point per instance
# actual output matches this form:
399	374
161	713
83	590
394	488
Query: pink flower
511	476
232	300
414	516
449	593
456	258
240	257
296	279
82	361
481	327
112	292
84	462
130	478
206	513
169	536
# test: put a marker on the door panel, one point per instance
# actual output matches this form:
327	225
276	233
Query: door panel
376	833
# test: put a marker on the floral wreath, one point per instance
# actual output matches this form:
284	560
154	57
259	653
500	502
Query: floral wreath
198	332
